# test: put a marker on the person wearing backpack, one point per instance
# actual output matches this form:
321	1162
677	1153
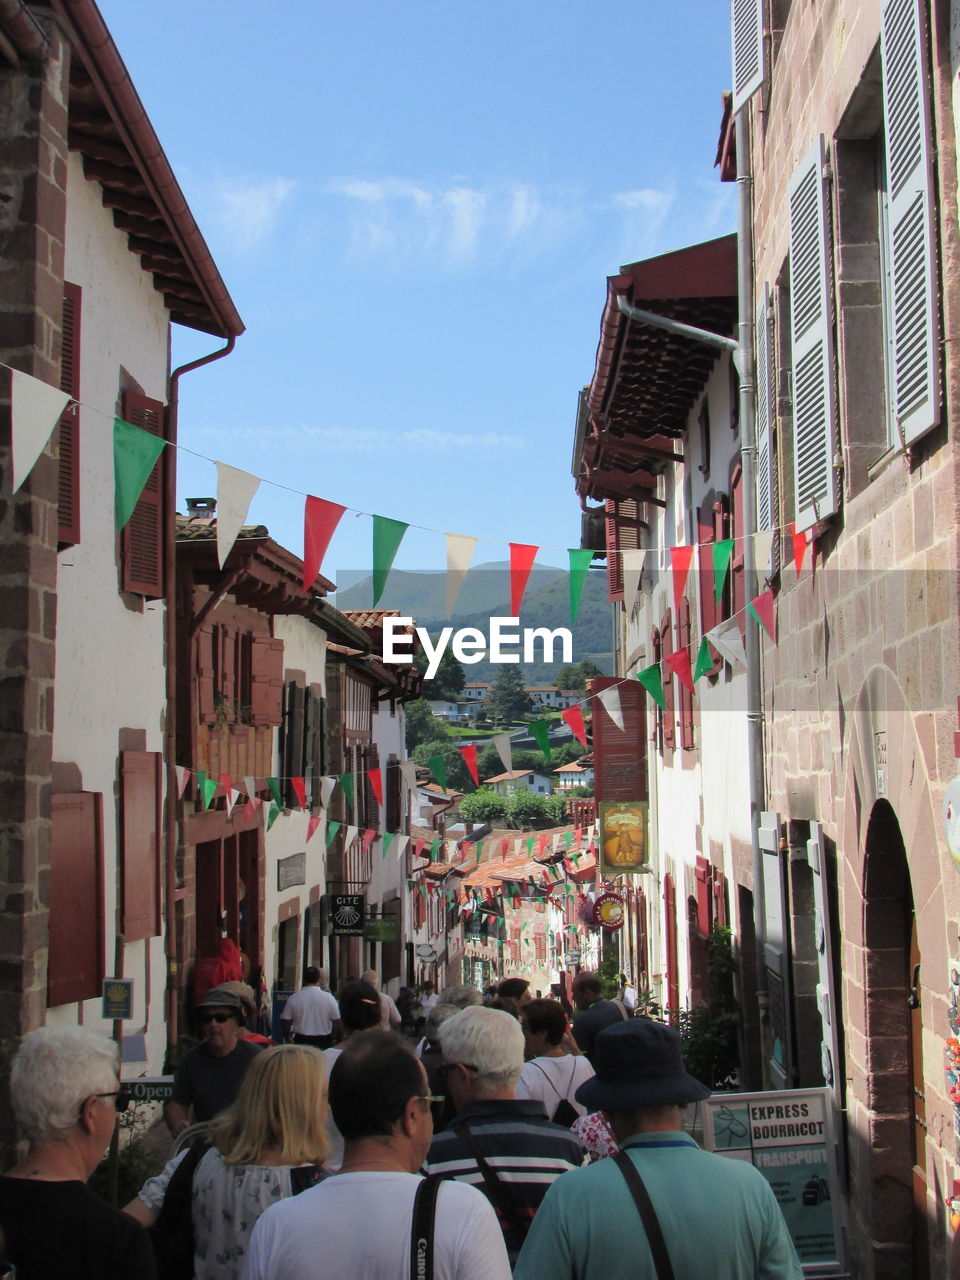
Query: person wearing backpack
551	1075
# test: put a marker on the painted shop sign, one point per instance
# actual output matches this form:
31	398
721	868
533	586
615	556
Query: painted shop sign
788	1135
346	914
624	841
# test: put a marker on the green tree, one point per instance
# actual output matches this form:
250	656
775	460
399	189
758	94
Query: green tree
457	777
422	725
449	680
483	806
555	810
507	698
575	675
525	809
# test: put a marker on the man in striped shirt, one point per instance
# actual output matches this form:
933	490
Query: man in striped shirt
504	1145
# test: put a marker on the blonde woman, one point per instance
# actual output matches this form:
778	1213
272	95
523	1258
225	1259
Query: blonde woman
270	1144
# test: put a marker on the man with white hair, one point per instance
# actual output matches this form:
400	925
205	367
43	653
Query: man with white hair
66	1095
389	1013
504	1145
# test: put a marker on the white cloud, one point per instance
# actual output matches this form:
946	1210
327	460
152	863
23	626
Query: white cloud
363	439
246	210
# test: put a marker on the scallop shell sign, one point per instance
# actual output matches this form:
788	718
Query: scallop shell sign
951	819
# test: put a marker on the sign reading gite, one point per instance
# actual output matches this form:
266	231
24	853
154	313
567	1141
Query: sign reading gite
471	645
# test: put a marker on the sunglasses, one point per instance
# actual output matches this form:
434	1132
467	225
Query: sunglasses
215	1017
430	1098
121	1098
444	1069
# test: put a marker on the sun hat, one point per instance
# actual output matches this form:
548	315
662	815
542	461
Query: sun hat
221	998
638	1063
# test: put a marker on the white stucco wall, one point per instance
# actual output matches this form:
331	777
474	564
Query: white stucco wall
109	657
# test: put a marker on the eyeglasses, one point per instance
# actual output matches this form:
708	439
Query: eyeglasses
444	1069
215	1017
121	1098
429	1098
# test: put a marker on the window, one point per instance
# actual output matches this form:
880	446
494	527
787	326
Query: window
141	832
68	490
239	677
75	963
713	521
684	637
666	646
766	501
736	577
301	741
703	425
142	542
655	656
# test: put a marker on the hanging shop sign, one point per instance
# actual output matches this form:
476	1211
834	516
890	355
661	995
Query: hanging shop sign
426	952
383	929
608	911
117	999
346	914
788	1135
624	840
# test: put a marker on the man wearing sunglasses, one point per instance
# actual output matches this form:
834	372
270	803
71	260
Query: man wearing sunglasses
65	1096
212	1072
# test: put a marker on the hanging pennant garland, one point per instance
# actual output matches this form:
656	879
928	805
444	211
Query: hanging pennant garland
522	556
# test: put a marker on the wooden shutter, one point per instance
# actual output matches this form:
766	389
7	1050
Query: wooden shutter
712	526
776	949
291	740
656	652
623	525
266	681
666	649
670	939
75	963
142	545
910	194
811	340
68	490
747	42
766	493
205	643
737	578
826	983
619	758
140	808
684	637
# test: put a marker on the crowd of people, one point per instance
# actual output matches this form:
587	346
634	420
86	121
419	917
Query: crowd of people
453	1135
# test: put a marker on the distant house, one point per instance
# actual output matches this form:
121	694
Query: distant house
505	784
547	696
443	710
578	773
476	691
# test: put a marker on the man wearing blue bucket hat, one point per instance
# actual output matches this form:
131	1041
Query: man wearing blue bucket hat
663	1209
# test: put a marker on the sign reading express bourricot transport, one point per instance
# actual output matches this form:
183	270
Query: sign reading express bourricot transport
788	1135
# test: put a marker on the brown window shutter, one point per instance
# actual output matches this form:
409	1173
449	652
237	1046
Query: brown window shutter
703	876
684	637
737	583
140	791
266	684
393	795
75	963
291	740
656	652
373	809
206	701
68	492
705	539
142	540
620	758
666	649
614	564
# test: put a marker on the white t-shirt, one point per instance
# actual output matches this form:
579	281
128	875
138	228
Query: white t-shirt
312	1011
428	1004
356	1226
550	1079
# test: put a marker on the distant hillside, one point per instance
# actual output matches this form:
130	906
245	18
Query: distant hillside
486	593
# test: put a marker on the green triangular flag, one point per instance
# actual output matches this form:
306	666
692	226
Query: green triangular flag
722	551
438	767
435	848
273	815
209	791
387	842
346	786
201	777
529	846
568	838
332	829
579	564
704	660
274	786
135	454
652	681
387	536
542	735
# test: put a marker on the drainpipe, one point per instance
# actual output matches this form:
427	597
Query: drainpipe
746	363
170	733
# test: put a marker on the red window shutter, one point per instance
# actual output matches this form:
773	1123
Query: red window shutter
684	636
656	652
620	758
705	539
614	565
703	874
669	714
266	684
719	897
738	601
206	701
140	791
68	492
75	963
142	551
670	936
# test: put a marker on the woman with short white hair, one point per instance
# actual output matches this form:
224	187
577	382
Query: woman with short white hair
66	1095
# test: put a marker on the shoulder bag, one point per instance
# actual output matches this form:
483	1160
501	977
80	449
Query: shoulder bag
421	1235
651	1223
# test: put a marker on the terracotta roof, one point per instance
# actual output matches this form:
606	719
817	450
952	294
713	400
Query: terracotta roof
509	777
574	766
438	793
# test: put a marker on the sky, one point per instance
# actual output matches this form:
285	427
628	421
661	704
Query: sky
414	207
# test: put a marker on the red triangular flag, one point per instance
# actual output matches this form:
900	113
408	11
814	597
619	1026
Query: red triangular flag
418	848
543	845
320	518
376	782
799	547
470	760
312	825
680	558
226	781
368	839
762	609
522	556
573	716
300	791
679	662
183	777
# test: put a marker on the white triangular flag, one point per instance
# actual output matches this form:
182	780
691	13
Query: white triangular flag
350	835
632	562
402	842
35	409
235	490
502	743
460	548
762	553
233	795
611	704
408	771
327	785
182	776
728	642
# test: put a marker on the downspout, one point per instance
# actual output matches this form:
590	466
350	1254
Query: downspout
171	826
746	362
